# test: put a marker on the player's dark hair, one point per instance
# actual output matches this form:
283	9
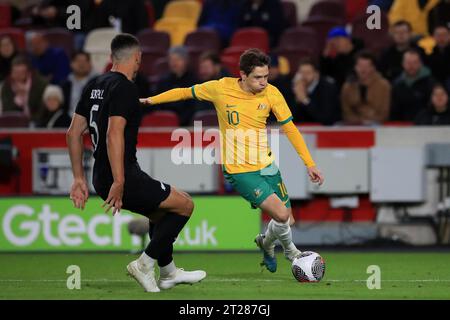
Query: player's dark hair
121	43
252	58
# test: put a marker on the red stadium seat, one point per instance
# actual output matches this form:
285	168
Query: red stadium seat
354	8
207	117
290	13
62	38
230	58
5	15
299	38
205	39
150	13
156	40
160	119
329	9
149	58
322	25
12	119
17	35
252	37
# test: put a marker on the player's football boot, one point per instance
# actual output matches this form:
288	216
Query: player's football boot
269	259
181	276
145	279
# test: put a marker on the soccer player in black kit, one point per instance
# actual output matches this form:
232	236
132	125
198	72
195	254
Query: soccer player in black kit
109	108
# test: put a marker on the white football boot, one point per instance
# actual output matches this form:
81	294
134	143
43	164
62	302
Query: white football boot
145	279
181	276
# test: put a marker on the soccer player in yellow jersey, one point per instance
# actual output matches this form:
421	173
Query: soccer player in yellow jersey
243	106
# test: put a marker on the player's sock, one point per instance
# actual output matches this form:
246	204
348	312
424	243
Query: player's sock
167	270
269	238
284	235
145	263
164	235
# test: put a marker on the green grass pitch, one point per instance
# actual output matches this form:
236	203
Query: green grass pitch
231	276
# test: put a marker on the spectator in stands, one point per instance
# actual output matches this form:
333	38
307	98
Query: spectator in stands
439	60
54	115
411	91
337	59
266	14
179	76
317	97
72	88
415	12
391	58
51	62
210	67
7	53
23	89
440	15
222	16
280	81
366	98
438	111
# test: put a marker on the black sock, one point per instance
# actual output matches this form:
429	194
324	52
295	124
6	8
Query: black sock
164	235
151	230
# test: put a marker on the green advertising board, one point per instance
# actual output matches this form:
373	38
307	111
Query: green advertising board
53	224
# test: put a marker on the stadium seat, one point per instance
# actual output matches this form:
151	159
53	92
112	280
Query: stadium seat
290	12
177	28
62	38
207	117
374	40
329	9
187	9
98	43
152	39
13	119
299	38
354	8
251	37
157	69
5	15
230	59
322	25
150	13
205	39
160	119
149	57
17	35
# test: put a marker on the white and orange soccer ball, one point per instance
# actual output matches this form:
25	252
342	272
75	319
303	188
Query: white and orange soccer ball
309	266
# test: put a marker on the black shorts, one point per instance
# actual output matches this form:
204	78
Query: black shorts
141	194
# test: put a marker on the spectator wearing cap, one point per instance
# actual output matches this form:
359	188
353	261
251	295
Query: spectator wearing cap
438	111
391	58
51	62
316	96
179	76
366	97
54	115
337	59
411	91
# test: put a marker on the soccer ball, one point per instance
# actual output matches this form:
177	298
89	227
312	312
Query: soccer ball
308	267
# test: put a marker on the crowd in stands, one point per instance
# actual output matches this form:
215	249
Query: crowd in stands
330	67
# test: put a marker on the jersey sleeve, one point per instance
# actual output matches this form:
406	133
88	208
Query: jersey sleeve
122	100
205	91
279	107
82	107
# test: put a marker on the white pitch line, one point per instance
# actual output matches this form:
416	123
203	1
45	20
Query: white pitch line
226	280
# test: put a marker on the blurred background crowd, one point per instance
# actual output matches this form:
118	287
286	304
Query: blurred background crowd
331	67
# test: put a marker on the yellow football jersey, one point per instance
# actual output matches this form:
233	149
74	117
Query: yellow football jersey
242	121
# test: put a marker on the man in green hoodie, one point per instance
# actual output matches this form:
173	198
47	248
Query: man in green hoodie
412	89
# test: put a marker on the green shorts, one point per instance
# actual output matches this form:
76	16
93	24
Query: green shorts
256	186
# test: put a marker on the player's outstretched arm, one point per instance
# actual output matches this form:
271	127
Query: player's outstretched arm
79	192
296	139
169	96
